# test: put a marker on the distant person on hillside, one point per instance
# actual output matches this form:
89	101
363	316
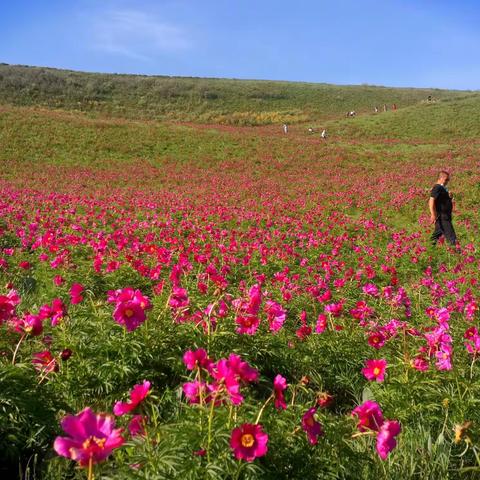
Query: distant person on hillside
429	99
384	107
394	106
324	134
376	109
310	130
285	128
441	206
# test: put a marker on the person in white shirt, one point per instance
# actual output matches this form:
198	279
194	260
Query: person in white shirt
285	128
324	134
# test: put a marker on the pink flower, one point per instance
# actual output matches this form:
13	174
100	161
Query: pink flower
386	437
312	428
369	415
249	442
197	359
137	395
194	391
375	370
91	436
371	289
178	298
321	325
276	315
334	309
31	324
242	368
420	363
279	386
444	357
130	314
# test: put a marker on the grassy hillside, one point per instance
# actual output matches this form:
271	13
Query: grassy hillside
241	102
448	119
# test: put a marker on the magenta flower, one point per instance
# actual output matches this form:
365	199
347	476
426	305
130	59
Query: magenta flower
76	293
240	367
312	428
444	357
386	441
249	442
194	359
92	437
130	314
371	289
7	305
194	391
376	340
375	370
276	315
321	325
334	309
369	415
178	298
420	363
247	324
137	395
136	426
31	324
279	386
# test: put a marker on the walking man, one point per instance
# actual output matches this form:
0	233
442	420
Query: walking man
285	128
441	206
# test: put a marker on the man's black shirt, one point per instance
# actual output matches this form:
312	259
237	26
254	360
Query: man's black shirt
443	202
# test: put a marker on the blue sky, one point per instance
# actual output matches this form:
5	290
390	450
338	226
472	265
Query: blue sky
421	43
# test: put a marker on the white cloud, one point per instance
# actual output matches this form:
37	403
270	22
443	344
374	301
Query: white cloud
136	34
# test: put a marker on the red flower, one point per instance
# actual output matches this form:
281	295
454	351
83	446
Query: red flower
249	442
44	362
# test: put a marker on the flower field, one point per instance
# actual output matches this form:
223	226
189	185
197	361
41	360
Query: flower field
190	302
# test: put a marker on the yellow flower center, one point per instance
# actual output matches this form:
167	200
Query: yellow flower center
94	442
247	440
376	371
128	312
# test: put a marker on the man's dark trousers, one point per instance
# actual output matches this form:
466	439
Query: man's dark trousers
443	226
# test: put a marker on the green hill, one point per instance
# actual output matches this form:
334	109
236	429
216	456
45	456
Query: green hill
202	100
445	120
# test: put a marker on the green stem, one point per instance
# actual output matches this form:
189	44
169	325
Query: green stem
210	421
